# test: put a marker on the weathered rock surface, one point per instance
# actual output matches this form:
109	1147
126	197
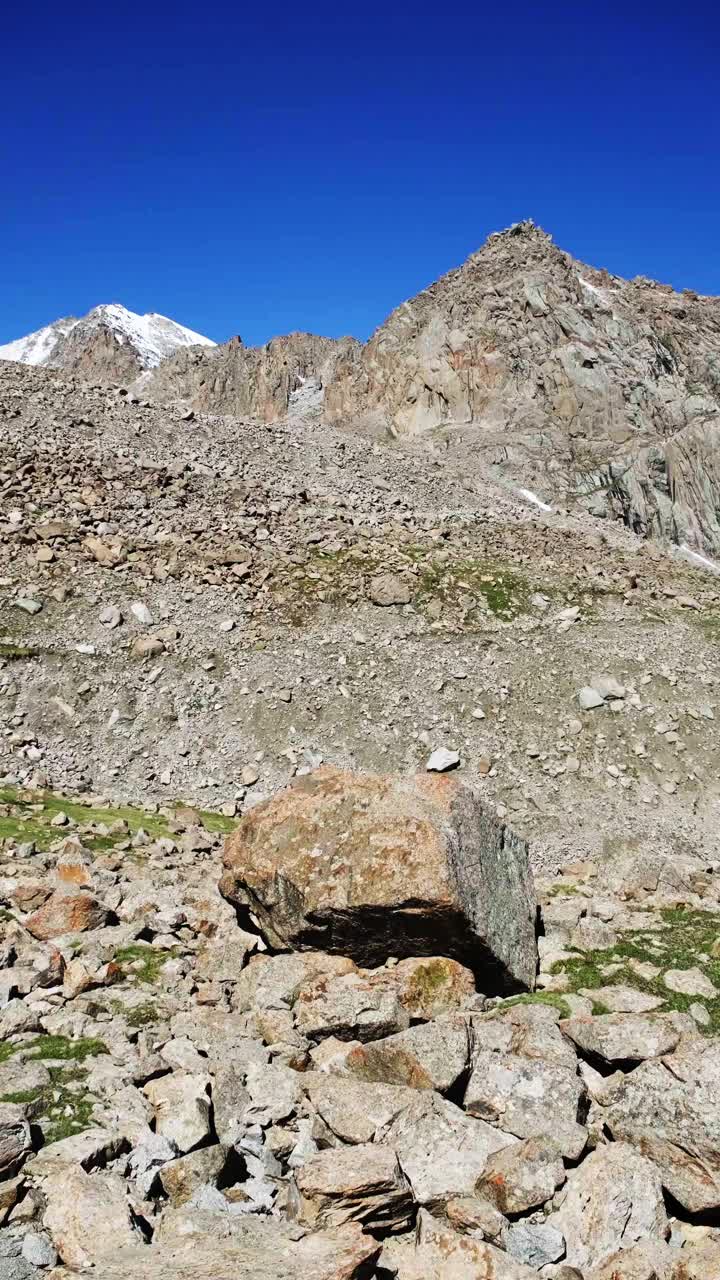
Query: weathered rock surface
612	1201
372	867
669	1111
354	1184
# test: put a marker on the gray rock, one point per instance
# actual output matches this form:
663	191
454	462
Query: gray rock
15	1140
39	1250
690	982
182	1108
528	1098
355	1112
618	1037
387	589
354	1184
431	1056
611	1201
535	1243
670	1111
523	1176
442	1150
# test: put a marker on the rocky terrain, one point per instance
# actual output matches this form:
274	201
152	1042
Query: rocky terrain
596	392
359	875
110	343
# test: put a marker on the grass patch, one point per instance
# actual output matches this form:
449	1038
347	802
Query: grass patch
540	997
16	652
54	1048
495	589
683	941
143	1015
142	962
29	819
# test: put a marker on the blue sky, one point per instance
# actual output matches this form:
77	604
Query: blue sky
257	169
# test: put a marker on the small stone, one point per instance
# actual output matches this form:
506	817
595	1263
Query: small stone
285	695
388	589
38	1250
690	982
442	759
111	617
141	612
249	776
589	698
29	605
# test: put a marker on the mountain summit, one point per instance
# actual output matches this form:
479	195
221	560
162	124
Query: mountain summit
109	342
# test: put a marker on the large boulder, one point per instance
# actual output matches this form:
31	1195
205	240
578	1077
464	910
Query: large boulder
377	866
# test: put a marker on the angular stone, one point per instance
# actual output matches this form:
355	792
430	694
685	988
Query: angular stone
612	1200
354	1006
528	1098
88	1150
648	1260
15	1140
387	589
523	1177
182	1178
440	1253
623	1037
182	1108
690	982
88	1216
353	1184
433	985
441	1150
355	1112
372	866
432	1055
476	1214
66	913
535	1243
670	1111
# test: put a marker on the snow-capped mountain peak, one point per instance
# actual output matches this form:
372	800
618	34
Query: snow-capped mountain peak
147	339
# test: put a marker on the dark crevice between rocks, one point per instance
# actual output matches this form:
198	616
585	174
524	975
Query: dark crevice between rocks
705	1218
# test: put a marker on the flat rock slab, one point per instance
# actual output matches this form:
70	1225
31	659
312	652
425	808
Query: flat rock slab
623	1037
256	1250
376	866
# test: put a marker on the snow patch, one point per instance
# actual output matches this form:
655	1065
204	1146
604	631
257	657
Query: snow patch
532	497
37	348
153	337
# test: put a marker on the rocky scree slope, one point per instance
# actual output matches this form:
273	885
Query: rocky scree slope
110	343
179	1096
202	608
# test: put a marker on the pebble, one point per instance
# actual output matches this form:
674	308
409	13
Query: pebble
442	759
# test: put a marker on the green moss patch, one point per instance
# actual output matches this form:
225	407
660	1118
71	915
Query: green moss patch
683	940
27	816
540	997
61	1108
54	1048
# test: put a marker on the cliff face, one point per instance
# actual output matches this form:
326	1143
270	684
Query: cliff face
257	382
594	389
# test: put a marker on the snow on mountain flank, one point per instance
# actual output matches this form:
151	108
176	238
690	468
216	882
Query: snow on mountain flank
153	337
37	348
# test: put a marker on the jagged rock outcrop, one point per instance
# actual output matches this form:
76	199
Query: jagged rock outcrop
287	374
588	386
377	866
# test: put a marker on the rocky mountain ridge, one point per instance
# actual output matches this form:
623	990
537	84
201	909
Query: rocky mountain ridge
594	391
109	343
